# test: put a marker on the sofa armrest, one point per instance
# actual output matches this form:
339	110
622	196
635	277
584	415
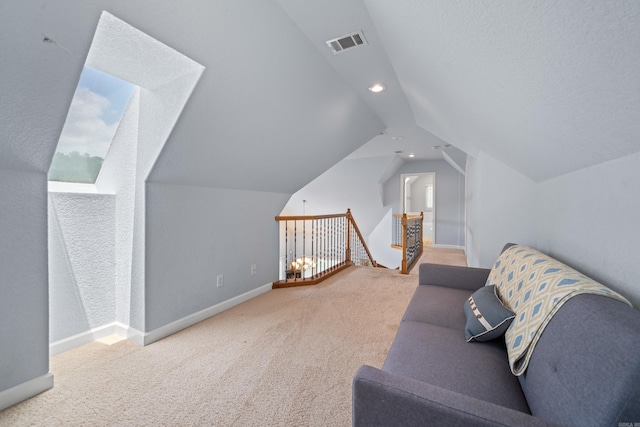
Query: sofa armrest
451	276
382	398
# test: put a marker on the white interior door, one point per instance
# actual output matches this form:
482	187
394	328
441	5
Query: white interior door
429	220
419	195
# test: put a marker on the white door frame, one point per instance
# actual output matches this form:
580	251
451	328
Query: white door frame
407	179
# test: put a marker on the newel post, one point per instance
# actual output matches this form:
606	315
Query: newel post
348	249
404	243
421	230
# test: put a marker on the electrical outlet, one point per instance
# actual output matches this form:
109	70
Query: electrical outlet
220	280
253	269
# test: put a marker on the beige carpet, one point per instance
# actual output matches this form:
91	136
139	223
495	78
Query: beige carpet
285	358
442	256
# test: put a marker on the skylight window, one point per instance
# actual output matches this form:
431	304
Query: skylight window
95	113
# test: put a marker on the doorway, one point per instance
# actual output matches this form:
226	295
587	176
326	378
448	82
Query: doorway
419	195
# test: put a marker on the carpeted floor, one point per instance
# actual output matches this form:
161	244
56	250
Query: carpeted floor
442	256
285	358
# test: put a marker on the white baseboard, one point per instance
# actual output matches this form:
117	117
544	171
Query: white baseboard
185	322
145	338
130	333
439	246
25	390
77	340
90	336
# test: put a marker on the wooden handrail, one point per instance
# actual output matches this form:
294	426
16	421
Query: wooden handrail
357	230
317	248
408	216
308	217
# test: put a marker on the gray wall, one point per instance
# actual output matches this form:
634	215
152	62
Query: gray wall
196	233
30	125
587	219
352	184
24	311
501	208
450	201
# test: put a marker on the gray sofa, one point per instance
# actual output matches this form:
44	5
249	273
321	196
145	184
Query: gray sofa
584	370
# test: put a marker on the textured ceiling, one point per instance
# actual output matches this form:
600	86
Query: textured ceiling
360	68
547	87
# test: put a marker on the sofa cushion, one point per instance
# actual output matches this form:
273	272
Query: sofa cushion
535	286
487	318
585	369
434	304
440	356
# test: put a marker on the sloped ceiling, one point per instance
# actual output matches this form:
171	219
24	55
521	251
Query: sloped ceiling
269	112
328	19
547	87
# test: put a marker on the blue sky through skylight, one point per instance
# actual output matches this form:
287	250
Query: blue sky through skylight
94	115
116	91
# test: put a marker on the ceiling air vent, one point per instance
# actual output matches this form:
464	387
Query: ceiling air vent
348	41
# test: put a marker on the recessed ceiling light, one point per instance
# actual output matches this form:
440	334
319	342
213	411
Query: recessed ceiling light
412	155
377	87
396	138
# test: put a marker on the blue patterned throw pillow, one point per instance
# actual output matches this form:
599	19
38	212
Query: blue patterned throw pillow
487	318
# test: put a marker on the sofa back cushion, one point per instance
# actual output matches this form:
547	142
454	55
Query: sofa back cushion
535	286
585	369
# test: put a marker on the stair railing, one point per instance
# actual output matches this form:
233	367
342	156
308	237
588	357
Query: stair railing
314	247
407	235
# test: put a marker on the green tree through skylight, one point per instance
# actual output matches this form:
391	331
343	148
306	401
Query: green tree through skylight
95	113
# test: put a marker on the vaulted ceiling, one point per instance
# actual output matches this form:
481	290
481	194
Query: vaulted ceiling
546	87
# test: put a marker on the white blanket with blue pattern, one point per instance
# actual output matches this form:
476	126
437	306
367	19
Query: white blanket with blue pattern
534	286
